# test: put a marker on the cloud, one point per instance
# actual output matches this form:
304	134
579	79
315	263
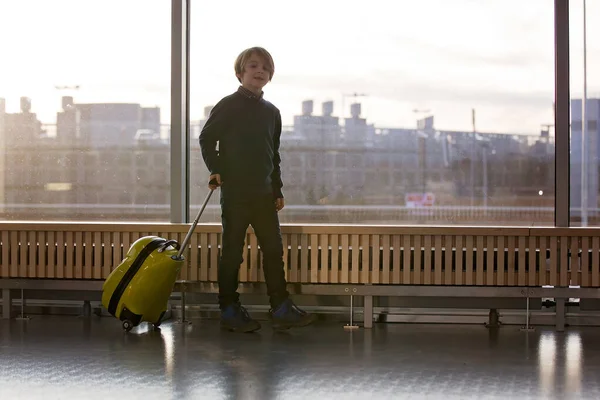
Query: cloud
389	85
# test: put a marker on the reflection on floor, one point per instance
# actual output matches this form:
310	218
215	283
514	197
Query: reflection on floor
77	358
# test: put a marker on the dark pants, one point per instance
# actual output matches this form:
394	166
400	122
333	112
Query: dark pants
236	217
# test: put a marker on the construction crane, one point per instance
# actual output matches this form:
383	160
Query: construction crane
66	87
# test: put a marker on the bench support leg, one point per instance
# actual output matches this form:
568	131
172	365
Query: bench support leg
560	315
368	312
351	326
182	320
493	319
23	317
527	327
6	304
87	309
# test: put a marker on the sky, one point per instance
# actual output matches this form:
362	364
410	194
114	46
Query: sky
445	56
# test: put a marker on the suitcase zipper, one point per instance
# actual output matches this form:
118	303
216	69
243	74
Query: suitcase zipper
135	266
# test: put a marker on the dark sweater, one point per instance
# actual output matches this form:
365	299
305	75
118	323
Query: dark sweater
248	130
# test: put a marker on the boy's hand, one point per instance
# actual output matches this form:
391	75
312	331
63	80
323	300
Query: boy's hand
279	204
211	181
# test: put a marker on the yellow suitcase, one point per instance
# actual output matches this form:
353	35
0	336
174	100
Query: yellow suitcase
139	288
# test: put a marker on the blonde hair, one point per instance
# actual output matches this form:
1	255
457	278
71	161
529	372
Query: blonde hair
242	60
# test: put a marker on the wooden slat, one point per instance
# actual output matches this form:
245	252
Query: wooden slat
32	267
194	272
324	275
335	258
479	277
532	261
186	269
469	262
5	254
385	260
286	252
595	261
98	250
78	261
118	255
585	262
23	261
564	262
51	260
126	237
575	265
88	261
543	273
366	267
107	255
355	278
449	278
314	258
396	277
344	278
501	274
255	255
294	258
417	276
553	261
70	258
60	255
490	273
213	265
246	262
14	254
427	278
187	265
438	260
510	253
522	260
203	256
458	272
406	267
42	252
304	258
376	248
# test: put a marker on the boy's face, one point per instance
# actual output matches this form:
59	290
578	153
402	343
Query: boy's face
256	74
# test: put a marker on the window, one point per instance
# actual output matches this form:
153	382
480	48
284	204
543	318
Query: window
76	91
585	201
458	98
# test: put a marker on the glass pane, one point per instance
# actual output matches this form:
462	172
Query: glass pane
429	112
585	83
85	92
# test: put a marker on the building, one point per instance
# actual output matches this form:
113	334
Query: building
108	154
106	124
592	143
22	128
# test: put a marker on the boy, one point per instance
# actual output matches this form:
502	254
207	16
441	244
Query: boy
246	168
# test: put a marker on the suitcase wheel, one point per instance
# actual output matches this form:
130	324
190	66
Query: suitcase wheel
127	325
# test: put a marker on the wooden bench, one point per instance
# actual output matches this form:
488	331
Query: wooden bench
430	261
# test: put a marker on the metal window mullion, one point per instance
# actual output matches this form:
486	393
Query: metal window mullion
180	123
562	114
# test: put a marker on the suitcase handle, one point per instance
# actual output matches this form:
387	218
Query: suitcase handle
167	244
189	234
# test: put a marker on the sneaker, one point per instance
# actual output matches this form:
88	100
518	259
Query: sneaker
288	315
235	318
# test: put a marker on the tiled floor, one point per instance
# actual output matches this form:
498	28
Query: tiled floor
78	358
